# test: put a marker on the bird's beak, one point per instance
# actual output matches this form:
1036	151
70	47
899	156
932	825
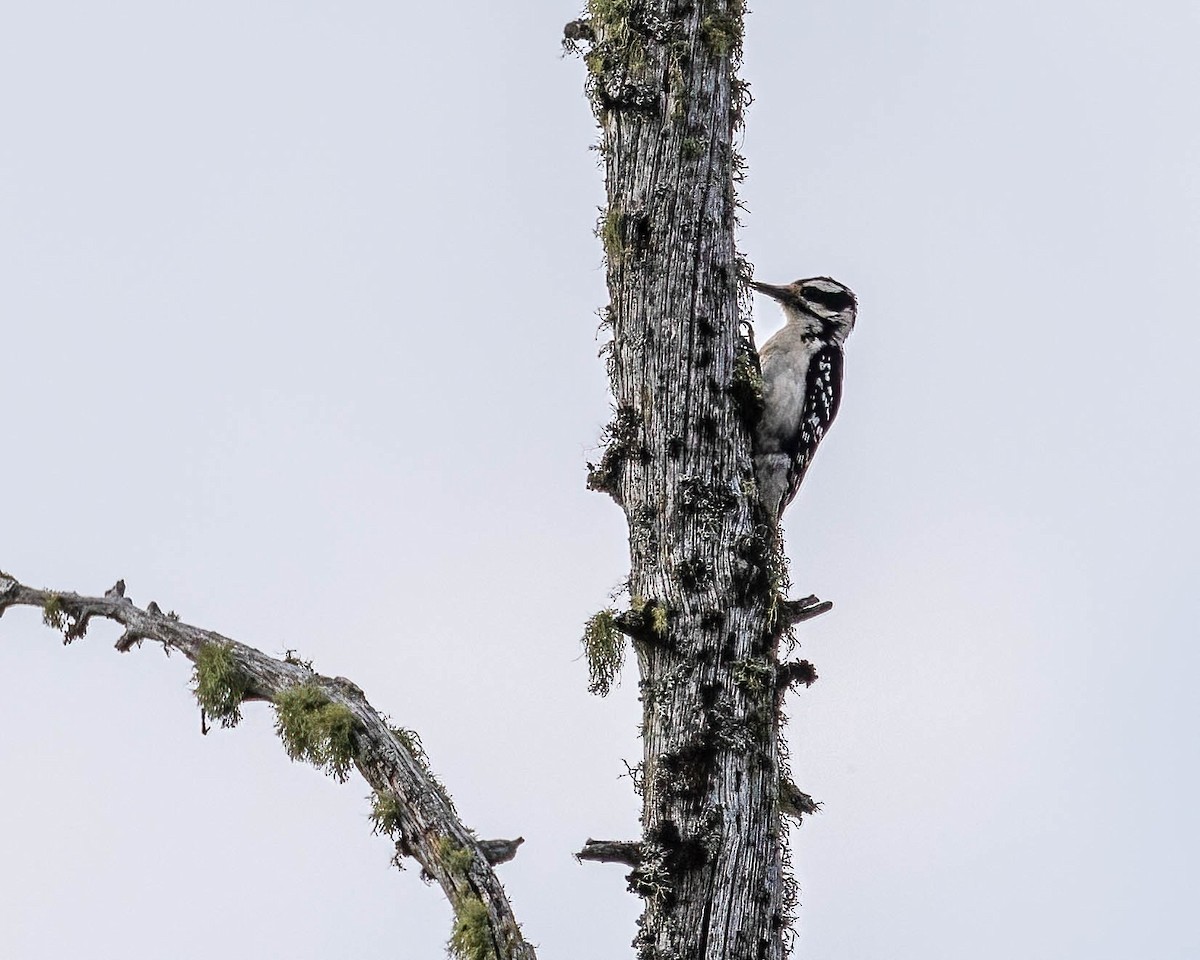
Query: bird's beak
778	293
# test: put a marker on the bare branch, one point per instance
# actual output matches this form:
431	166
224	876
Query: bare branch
612	851
329	722
792	612
794	802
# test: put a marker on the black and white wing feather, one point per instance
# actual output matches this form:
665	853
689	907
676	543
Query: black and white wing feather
822	397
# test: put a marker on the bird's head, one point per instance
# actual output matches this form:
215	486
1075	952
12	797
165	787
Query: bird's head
827	307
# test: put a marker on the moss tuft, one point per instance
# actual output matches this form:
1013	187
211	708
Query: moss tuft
386	815
53	614
316	730
760	569
622	442
753	675
457	859
472	936
660	620
609	17
604	649
610	234
722	34
411	741
596	62
707	501
294	658
651	879
219	683
693	148
654	615
686	771
746	388
625	235
722	31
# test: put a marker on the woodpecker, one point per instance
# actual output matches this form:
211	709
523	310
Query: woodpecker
802	383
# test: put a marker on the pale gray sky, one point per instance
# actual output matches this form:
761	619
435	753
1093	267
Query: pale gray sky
299	339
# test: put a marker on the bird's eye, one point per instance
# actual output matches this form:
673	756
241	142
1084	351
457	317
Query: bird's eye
830	299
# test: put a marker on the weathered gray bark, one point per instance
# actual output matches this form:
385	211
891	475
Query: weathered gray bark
706	566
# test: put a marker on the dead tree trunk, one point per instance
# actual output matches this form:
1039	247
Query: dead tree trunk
707	571
706	613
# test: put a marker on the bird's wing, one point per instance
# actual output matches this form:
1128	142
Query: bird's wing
822	397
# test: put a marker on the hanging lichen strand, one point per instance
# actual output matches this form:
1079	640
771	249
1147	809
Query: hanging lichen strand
704	558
